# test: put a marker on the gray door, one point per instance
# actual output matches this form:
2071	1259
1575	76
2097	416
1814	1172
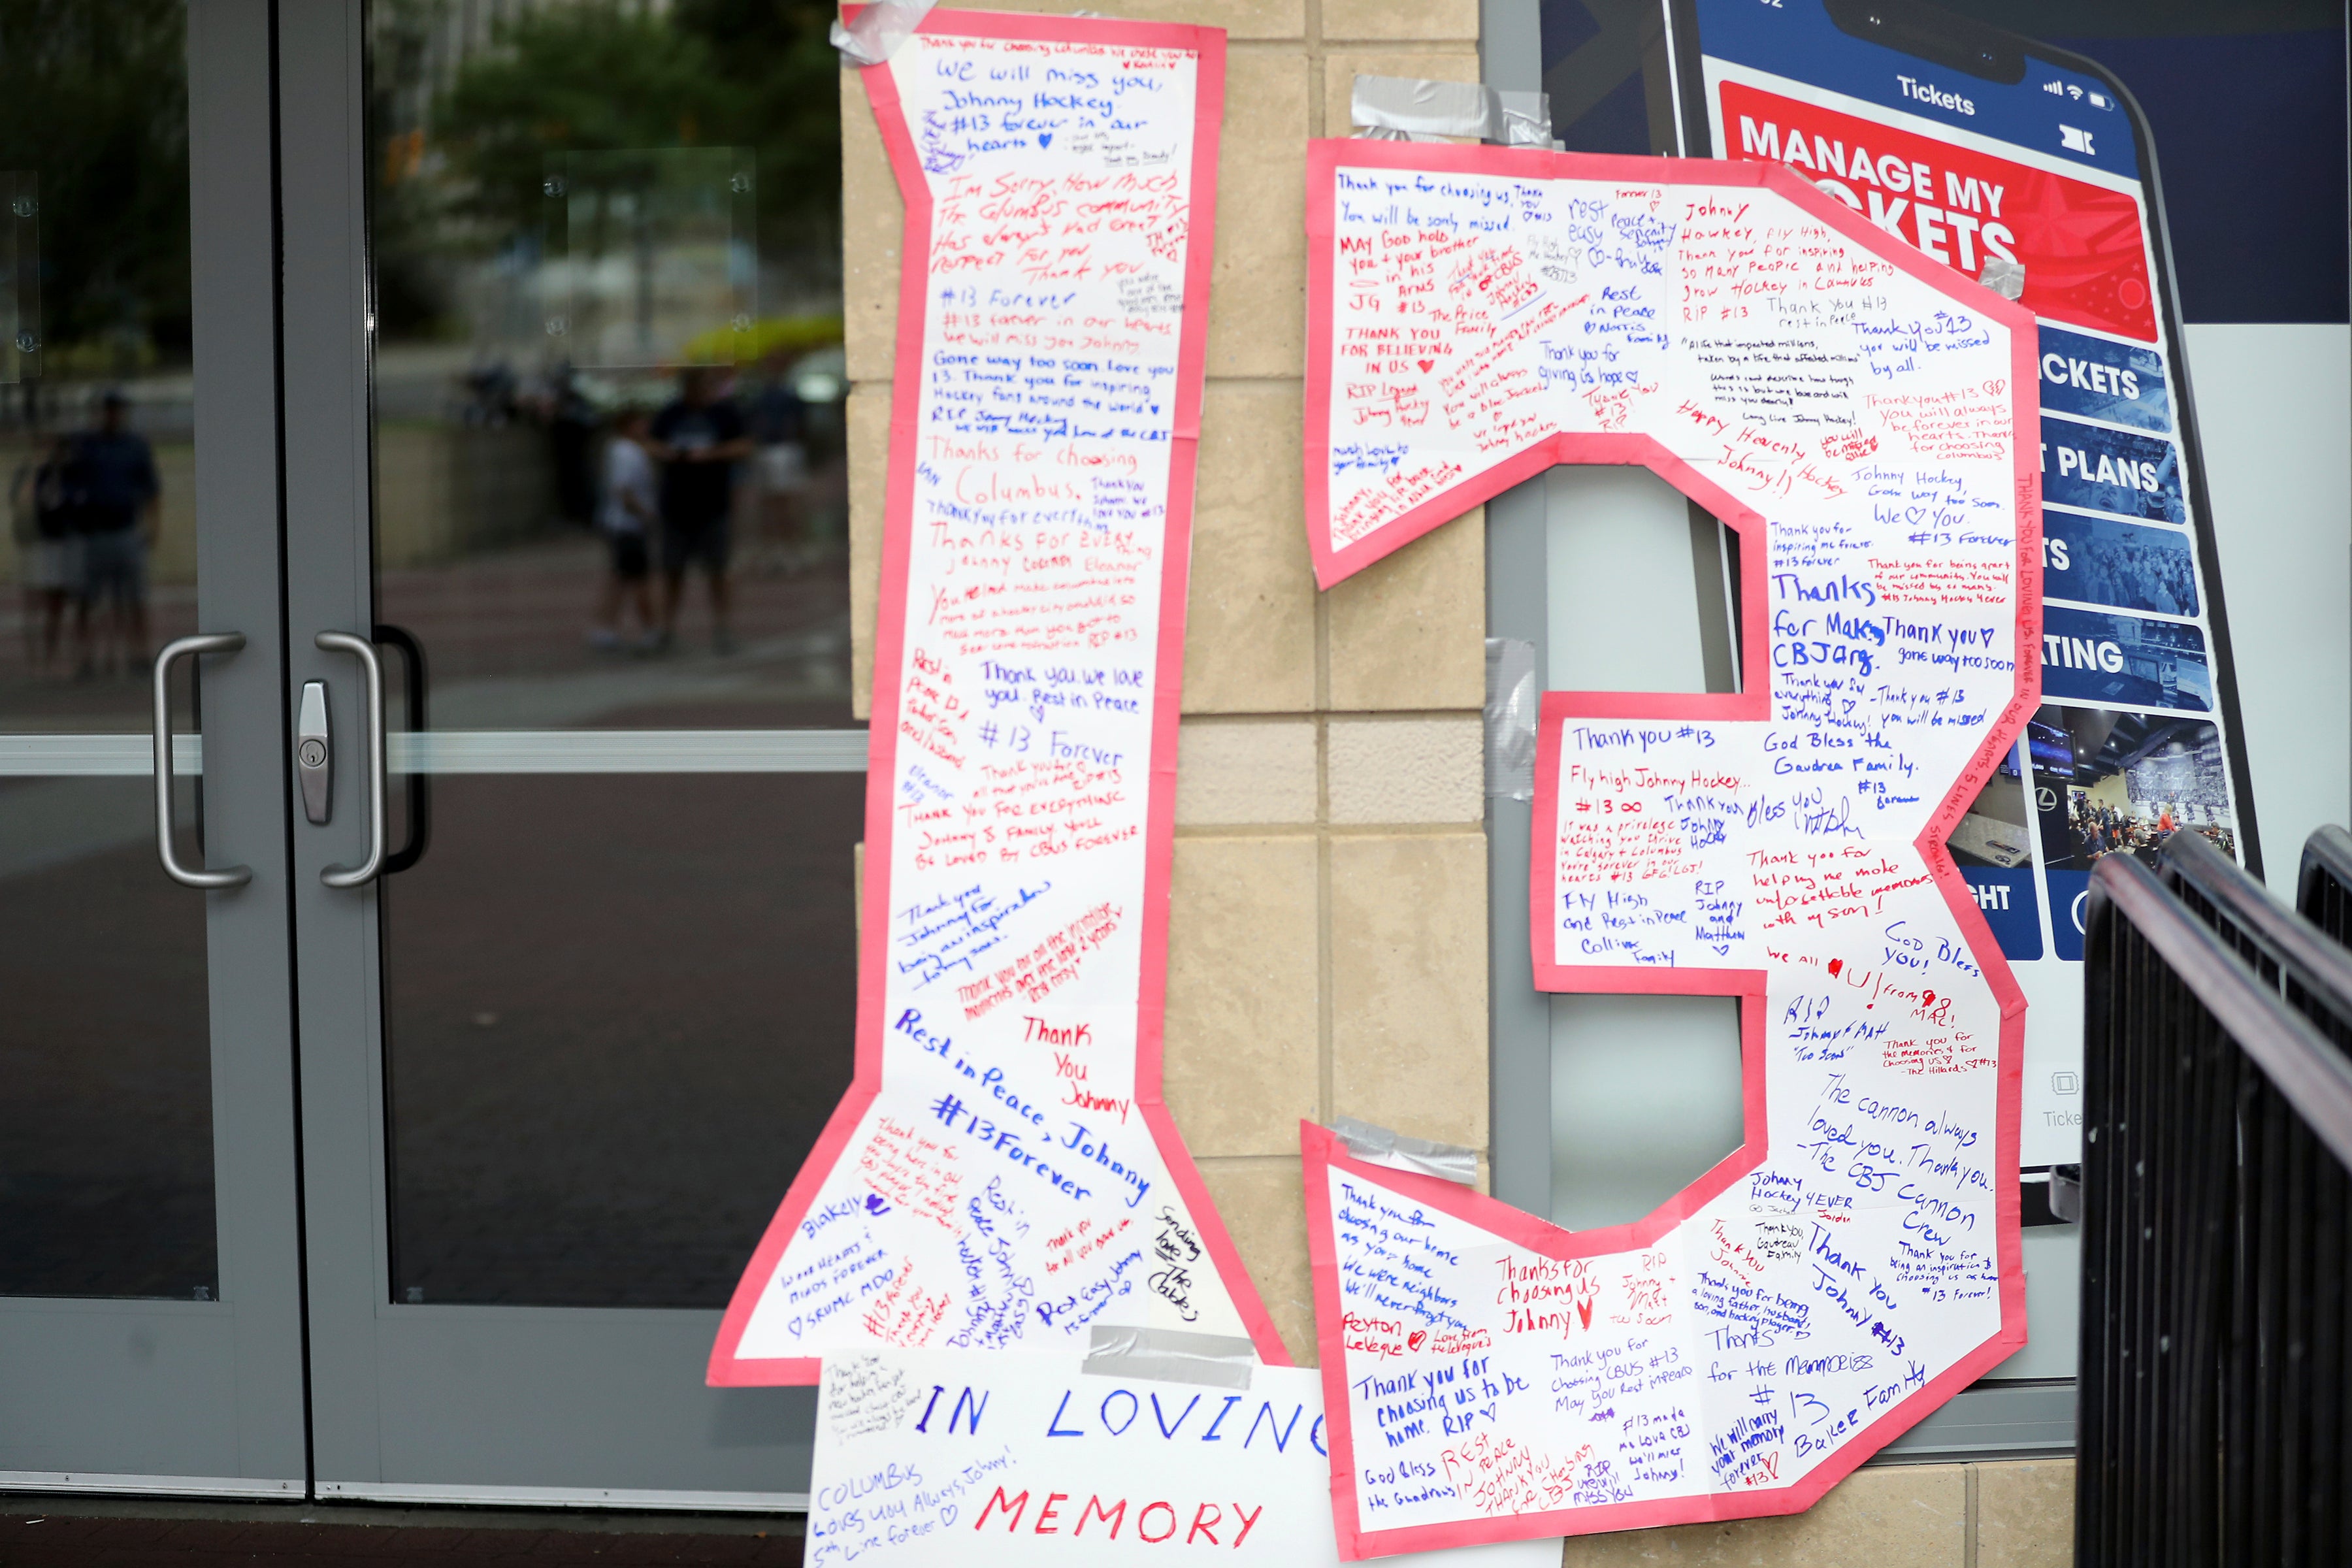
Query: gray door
149	1295
561	1057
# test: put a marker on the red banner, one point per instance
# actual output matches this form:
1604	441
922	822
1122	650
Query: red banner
2086	262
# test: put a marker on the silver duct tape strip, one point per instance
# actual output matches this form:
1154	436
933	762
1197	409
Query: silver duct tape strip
1170	1355
1380	1146
1411	109
878	31
1527	119
2066	1193
2006	278
1511	703
1425	110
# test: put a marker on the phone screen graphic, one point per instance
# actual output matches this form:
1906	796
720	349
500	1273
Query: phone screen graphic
1991	156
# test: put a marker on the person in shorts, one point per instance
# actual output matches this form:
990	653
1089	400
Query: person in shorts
628	513
698	439
114	471
44	510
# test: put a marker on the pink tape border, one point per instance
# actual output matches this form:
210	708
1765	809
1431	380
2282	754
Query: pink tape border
1321	1150
727	1368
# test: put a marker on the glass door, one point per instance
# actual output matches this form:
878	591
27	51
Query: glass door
564	443
150	1302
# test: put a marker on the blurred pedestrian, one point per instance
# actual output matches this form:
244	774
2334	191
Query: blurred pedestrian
42	516
698	439
628	513
571	435
114	471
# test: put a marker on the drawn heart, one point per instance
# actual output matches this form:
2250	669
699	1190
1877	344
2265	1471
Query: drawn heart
1155	408
1413	1340
1836	964
1425	365
875	1204
1044	139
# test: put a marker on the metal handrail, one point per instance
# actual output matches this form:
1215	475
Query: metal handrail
2306	1068
2216	1359
2323	892
2312	973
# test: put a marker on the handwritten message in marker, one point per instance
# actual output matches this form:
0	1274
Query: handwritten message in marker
927	1458
1003	1173
1863	419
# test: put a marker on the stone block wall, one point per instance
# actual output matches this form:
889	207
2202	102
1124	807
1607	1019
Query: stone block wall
1328	940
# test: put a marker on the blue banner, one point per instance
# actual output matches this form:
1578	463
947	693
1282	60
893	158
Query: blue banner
2110	471
2098	561
2124	661
2100	380
2006	901
2070	897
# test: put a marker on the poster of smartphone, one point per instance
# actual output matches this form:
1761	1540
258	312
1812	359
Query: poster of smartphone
2029	169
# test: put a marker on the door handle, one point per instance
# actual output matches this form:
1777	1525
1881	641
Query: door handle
418	784
364	651
214	642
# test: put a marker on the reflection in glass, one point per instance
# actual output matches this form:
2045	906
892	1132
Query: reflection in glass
650	260
106	1165
571	208
106	1161
96	414
20	274
611	499
620	1012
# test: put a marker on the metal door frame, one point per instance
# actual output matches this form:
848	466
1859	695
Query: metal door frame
561	1406
207	1397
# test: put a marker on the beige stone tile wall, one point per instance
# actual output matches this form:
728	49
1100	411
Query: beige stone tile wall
2016	1515
1327	935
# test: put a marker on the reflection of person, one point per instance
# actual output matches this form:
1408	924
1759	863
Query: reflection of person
42	508
628	514
571	434
699	438
114	471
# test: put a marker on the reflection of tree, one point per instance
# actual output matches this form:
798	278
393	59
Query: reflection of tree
598	76
777	56
94	100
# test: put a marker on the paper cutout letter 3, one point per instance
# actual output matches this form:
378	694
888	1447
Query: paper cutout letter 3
1003	1172
1862	418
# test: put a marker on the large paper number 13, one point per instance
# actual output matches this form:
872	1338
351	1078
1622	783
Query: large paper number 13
1860	418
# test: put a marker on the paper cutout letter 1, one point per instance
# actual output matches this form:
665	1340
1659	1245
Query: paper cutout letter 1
1861	416
1003	1172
